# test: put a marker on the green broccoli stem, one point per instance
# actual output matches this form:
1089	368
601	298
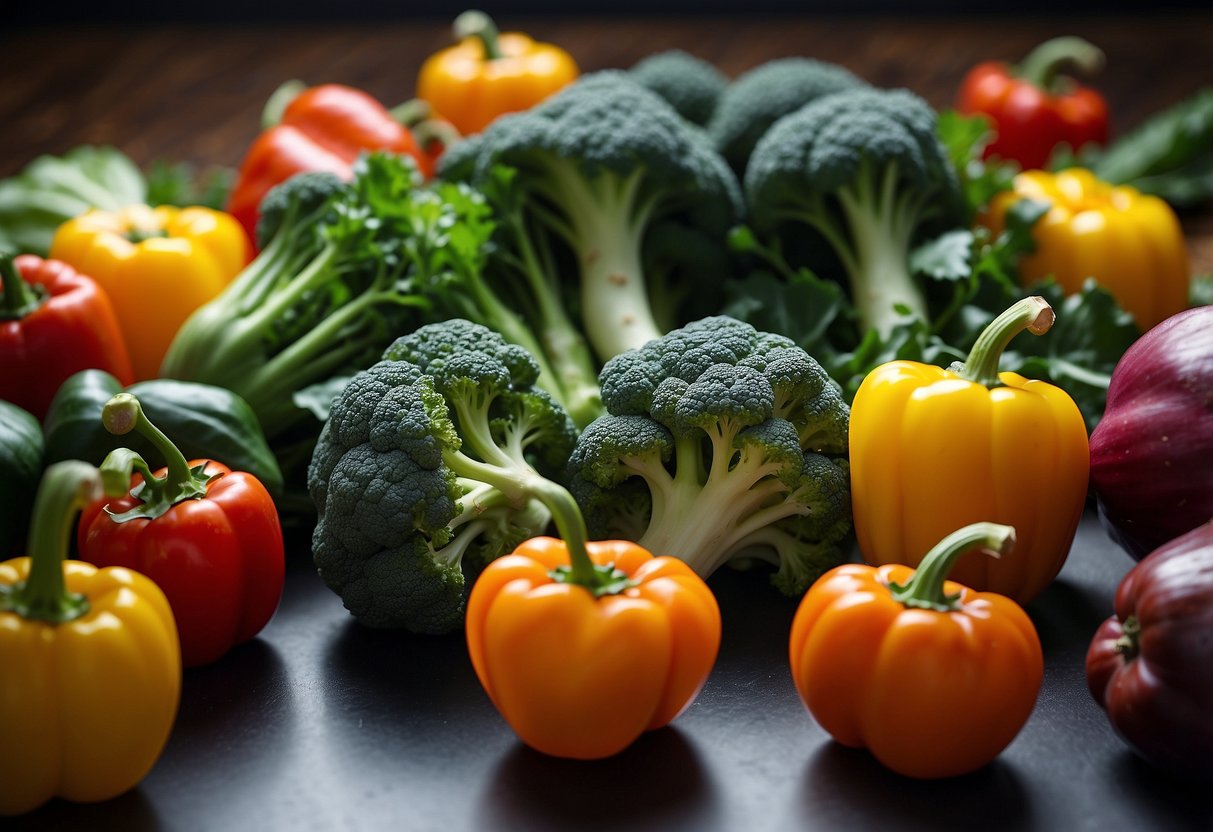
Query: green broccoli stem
17	298
606	223
1044	66
477	24
66	488
1033	314
925	589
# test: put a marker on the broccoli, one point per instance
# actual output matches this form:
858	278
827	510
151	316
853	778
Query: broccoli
598	164
431	459
739	438
691	85
865	169
765	94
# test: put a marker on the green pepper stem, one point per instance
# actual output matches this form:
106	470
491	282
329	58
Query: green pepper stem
570	525
1044	65
66	488
279	100
121	415
1127	644
18	298
925	588
1033	314
476	24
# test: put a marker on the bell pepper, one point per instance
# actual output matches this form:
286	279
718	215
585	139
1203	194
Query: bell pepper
208	422
488	74
1152	452
1150	666
53	323
933	448
323	128
157	265
931	677
1034	107
22	450
1129	242
582	647
91	668
208	536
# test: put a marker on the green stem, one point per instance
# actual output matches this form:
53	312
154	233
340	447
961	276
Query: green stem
1128	643
477	24
123	414
1044	65
1033	314
925	588
66	488
279	100
17	298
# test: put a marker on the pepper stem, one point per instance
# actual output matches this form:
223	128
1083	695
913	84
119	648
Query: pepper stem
279	100
66	488
476	24
1044	66
570	525
1127	644
925	588
1033	314
121	415
17	298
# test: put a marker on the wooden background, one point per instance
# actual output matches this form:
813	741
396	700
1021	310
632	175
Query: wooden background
195	92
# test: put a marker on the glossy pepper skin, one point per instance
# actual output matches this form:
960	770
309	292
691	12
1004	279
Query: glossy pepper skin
933	678
22	453
1130	242
489	74
934	448
1033	107
208	536
581	676
54	322
157	265
1150	666
91	666
323	128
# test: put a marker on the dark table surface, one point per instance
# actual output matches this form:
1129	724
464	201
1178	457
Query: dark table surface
321	724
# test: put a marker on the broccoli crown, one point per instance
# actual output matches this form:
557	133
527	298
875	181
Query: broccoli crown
767	93
300	197
424	457
740	437
823	148
691	85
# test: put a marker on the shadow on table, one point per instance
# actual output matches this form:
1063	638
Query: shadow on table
1190	804
659	782
138	814
848	786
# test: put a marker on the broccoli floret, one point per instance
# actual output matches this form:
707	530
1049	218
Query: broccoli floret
598	164
299	202
741	440
429	459
691	85
865	169
767	93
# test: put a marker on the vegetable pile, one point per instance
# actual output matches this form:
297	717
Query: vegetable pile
675	320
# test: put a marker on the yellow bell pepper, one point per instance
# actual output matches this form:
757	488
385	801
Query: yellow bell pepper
157	265
488	74
933	449
90	667
1131	243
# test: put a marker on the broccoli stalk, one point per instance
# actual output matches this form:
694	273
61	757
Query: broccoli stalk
867	171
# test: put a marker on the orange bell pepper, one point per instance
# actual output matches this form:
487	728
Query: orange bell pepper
932	448
584	646
933	678
156	265
489	74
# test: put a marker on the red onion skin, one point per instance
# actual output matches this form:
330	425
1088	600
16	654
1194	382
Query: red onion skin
1152	453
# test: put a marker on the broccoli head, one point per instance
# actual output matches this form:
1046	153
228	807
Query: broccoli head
740	438
767	93
427	457
599	163
866	170
691	85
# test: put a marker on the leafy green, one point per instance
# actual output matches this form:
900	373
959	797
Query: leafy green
181	184
1200	293
965	138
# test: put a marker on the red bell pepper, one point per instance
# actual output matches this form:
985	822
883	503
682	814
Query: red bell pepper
323	128
1150	666
208	536
1033	106
54	322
